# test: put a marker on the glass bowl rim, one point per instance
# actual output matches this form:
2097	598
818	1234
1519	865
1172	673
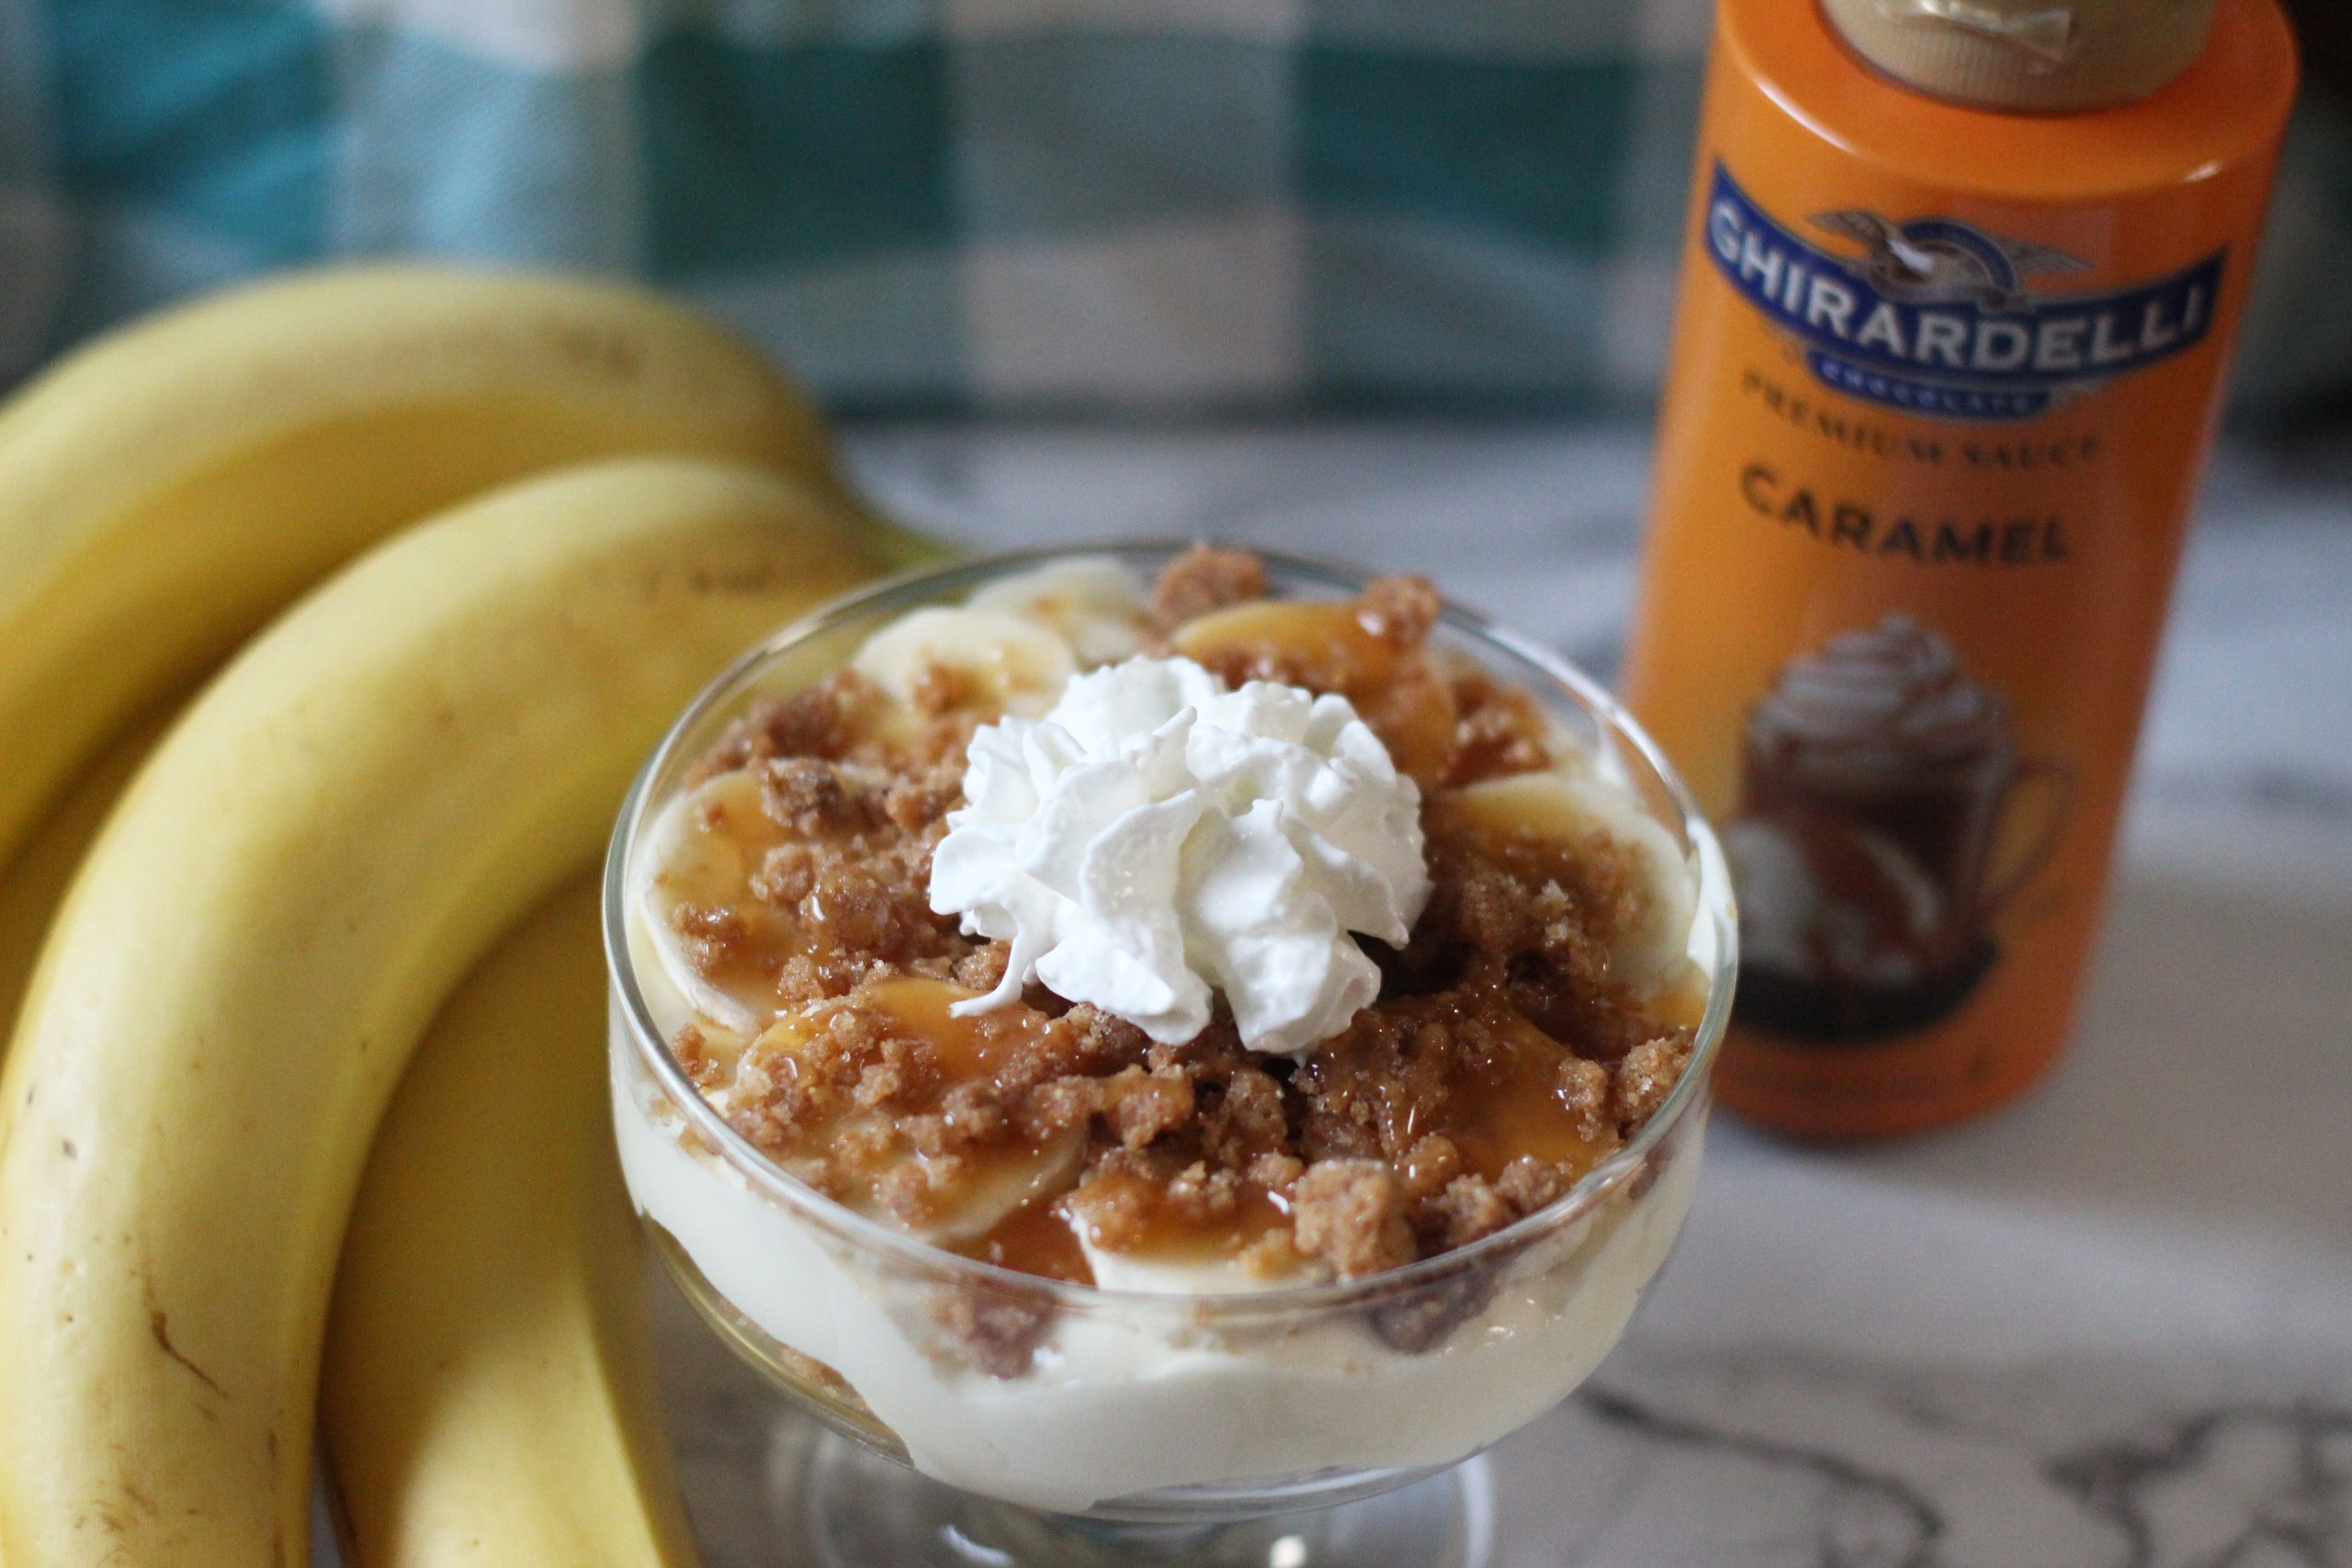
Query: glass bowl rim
926	584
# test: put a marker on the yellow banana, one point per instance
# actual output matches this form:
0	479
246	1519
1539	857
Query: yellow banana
488	1397
166	490
31	888
343	821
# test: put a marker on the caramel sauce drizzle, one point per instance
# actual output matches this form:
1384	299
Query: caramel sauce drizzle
1516	1103
1037	1238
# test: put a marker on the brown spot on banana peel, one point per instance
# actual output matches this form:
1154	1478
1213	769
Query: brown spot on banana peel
158	1325
594	349
662	583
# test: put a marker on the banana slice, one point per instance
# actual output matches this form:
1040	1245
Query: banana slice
1186	1257
1100	606
1653	951
698	853
1016	665
983	1189
1179	1274
986	1196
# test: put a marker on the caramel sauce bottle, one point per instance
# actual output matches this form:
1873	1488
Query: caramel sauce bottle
1956	302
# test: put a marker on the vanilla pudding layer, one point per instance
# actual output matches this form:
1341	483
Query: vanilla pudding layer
1118	1402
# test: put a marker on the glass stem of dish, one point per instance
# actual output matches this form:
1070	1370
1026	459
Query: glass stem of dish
1062	1541
866	1510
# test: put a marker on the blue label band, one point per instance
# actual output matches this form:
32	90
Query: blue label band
1938	317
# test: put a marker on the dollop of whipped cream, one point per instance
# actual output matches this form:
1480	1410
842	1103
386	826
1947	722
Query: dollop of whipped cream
1158	837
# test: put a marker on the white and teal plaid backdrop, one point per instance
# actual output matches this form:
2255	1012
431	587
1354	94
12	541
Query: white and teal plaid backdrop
954	204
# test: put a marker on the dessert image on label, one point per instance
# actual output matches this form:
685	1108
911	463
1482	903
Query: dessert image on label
1876	779
1184	942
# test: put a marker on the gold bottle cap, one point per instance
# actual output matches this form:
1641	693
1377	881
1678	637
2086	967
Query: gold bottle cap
2052	56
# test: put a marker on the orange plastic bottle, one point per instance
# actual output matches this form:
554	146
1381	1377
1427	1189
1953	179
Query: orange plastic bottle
1956	302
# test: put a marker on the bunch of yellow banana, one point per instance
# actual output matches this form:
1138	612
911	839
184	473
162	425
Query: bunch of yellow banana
248	945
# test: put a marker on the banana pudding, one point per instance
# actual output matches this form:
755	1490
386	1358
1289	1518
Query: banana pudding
1133	1032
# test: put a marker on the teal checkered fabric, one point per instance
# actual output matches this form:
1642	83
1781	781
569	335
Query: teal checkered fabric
929	205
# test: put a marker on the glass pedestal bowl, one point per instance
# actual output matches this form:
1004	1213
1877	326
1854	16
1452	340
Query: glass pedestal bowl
984	1416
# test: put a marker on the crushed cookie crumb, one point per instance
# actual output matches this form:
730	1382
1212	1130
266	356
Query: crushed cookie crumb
1351	1212
1647	1074
992	1330
1400	611
1206	578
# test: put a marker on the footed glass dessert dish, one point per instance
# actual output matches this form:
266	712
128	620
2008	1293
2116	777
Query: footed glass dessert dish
1180	1296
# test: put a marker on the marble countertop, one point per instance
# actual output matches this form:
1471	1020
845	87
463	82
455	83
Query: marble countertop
2111	1327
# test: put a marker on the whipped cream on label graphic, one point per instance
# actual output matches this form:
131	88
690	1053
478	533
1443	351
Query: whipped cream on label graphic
1893	692
1156	838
